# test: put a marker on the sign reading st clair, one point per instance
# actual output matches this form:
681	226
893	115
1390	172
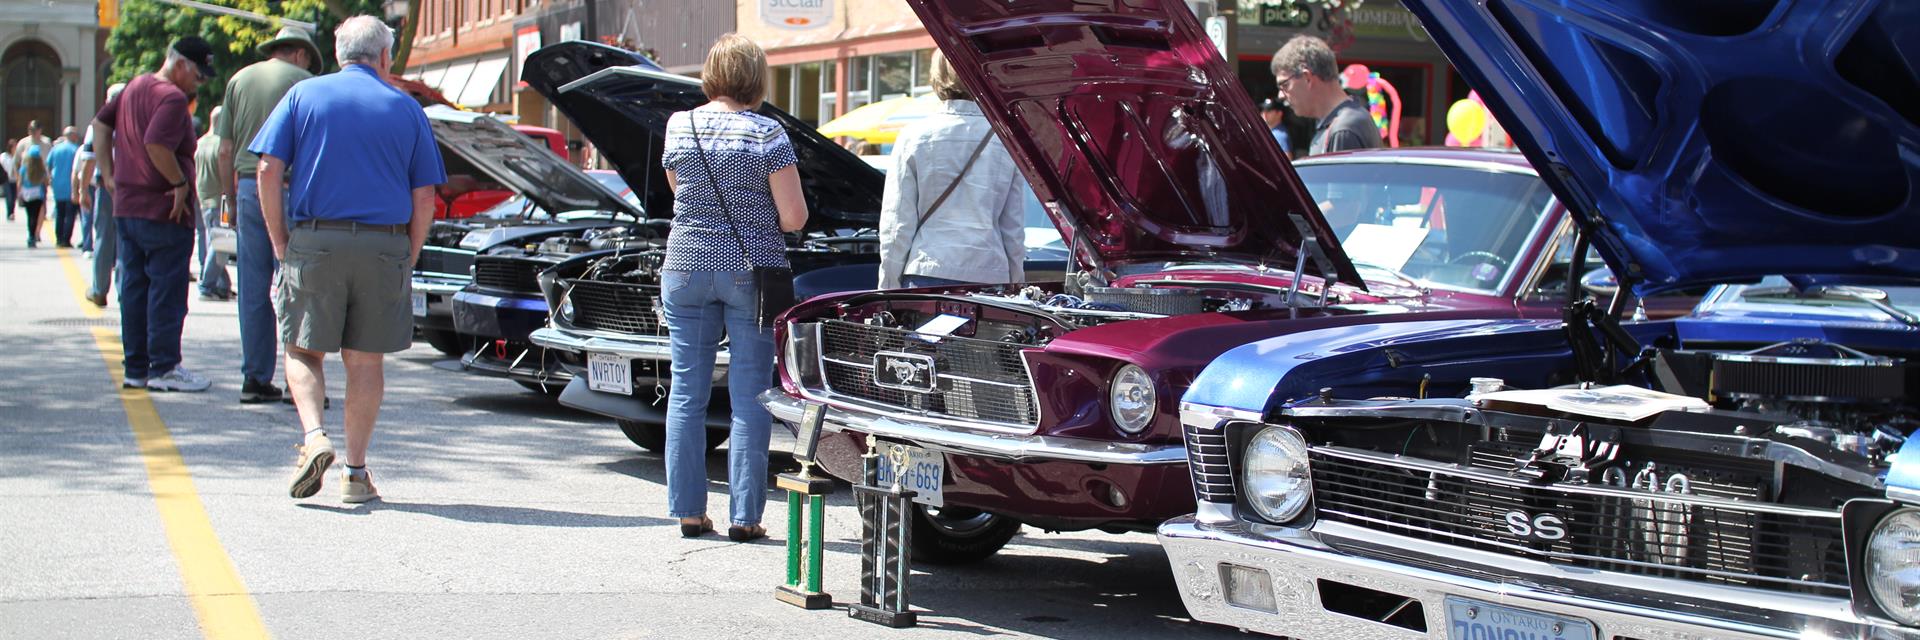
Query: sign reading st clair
796	14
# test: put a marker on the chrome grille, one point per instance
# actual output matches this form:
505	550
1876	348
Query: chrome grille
442	261
976	379
1207	460
1697	539
508	274
616	307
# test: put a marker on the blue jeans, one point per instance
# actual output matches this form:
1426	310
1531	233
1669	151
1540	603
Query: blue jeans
701	307
106	243
86	227
259	332
213	270
153	294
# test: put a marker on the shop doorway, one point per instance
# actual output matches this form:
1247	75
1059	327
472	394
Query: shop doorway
30	82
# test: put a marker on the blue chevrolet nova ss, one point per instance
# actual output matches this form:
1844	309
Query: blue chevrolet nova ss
1741	472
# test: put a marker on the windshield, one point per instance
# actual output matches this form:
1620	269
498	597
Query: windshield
1462	227
1857	302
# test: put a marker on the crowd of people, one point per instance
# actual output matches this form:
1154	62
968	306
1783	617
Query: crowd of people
338	232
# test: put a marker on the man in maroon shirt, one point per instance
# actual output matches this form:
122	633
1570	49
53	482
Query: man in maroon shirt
148	166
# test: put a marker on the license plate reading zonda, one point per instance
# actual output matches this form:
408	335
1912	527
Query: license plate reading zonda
904	371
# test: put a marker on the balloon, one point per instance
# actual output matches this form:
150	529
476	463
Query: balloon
1466	120
1452	141
1475	97
1355	76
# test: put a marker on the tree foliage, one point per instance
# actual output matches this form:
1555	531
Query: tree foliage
147	27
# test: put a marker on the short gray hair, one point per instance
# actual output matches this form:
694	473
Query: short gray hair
1309	53
361	39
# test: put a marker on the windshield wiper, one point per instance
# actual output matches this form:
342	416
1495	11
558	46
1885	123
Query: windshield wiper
1871	297
1405	279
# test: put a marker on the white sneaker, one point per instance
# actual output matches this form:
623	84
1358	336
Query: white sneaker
179	379
133	383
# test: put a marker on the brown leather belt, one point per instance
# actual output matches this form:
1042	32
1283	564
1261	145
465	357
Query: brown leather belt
349	225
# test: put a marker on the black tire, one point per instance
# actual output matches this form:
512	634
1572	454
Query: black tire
550	389
652	436
445	341
957	535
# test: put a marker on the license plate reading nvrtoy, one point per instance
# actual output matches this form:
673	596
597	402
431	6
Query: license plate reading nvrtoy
609	373
1475	620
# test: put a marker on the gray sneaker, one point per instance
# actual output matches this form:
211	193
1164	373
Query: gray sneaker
179	379
316	454
133	383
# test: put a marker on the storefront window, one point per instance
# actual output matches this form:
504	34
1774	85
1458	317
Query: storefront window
893	75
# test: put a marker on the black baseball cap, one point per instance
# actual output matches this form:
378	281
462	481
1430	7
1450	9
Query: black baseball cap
198	52
1272	104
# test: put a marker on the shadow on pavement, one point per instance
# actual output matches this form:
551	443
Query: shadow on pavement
495	514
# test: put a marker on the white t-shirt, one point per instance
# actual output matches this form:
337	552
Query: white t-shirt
6	164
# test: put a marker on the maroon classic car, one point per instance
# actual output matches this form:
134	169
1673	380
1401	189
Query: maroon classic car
1055	404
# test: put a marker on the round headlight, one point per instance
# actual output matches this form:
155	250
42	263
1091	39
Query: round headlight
566	309
1893	565
1275	480
1132	400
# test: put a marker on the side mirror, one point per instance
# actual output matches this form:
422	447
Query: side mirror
1601	283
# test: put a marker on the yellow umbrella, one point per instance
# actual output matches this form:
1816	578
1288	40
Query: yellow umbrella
880	122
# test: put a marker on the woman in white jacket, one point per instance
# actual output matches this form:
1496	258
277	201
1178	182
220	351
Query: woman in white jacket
954	206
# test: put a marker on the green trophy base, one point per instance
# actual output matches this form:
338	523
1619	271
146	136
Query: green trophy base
882	617
802	599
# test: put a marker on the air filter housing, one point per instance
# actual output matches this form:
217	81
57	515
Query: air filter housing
1808	371
1169	301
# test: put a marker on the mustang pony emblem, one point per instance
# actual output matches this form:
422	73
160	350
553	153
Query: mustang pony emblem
904	371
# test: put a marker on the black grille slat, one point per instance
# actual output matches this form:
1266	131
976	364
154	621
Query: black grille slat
1207	460
978	379
508	274
1704	543
616	307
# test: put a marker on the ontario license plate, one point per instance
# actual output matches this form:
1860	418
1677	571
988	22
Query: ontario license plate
419	305
1474	620
918	470
609	373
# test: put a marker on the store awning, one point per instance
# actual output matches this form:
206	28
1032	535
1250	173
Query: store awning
432	75
455	82
479	88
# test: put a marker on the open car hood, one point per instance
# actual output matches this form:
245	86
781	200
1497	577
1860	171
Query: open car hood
1122	115
1711	141
621	101
486	147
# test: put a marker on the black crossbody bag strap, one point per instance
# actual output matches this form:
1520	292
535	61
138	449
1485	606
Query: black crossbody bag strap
774	284
924	217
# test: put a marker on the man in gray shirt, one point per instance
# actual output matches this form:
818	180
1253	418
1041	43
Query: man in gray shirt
1309	78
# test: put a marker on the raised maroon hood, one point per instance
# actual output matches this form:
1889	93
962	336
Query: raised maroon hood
1122	113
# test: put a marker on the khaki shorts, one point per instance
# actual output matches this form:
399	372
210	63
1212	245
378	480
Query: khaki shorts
341	289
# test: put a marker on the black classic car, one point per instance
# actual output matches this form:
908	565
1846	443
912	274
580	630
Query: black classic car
1747	471
606	327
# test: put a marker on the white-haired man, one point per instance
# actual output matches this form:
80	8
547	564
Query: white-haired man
143	140
346	235
102	239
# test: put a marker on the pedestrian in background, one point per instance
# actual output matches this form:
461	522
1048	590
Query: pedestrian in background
364	165
149	168
251	95
954	208
214	285
33	139
1309	79
97	198
33	191
8	180
735	190
60	167
1273	111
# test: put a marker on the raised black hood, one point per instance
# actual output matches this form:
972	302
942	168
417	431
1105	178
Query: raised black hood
621	101
484	145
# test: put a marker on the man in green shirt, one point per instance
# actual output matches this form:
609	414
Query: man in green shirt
251	96
214	284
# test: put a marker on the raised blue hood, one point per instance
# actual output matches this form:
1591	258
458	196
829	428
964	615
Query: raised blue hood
1712	141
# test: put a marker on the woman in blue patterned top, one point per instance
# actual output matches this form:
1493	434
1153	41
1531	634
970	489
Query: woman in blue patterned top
732	171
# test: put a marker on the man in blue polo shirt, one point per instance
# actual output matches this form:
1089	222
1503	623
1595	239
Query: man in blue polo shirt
362	164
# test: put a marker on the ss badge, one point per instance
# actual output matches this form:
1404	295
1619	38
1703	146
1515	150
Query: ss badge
1544	526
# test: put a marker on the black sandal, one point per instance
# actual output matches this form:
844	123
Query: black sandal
738	533
695	530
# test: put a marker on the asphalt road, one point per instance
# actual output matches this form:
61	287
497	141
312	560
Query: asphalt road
137	515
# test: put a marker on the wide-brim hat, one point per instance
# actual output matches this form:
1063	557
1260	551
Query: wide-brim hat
294	35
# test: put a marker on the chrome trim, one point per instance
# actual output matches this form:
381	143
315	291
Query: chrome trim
1618	604
1211	417
869	365
552	338
437	286
826	395
1485	165
1904	494
927	435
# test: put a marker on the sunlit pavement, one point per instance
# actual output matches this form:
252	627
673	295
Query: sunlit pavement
136	515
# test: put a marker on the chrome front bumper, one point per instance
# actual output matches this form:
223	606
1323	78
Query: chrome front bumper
1000	446
438	286
614	344
1301	561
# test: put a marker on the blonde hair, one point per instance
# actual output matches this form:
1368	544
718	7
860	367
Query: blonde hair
945	81
736	68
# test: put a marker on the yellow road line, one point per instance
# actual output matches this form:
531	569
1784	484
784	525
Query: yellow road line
77	283
220	599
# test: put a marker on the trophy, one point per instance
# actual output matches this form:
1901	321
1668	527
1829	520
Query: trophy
885	557
805	553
